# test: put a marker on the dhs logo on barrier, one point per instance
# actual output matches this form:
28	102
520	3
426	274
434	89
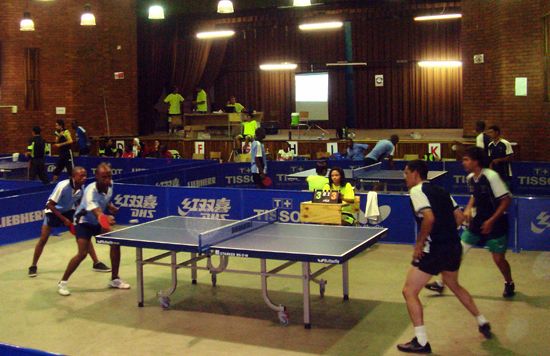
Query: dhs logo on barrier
169	183
541	223
141	206
205	208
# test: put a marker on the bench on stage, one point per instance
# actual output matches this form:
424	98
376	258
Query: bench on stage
260	236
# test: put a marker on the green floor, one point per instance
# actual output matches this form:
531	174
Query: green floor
232	318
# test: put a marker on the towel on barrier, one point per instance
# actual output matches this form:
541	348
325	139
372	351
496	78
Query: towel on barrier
372	213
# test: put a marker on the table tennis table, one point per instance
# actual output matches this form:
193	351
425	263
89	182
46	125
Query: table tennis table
372	174
260	236
10	169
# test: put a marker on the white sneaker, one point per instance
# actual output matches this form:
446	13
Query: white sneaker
118	283
62	288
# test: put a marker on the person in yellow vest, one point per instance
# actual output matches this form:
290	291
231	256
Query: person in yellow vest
232	103
63	142
174	99
337	181
319	180
249	126
201	101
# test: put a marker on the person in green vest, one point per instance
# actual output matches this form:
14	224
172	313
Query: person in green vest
201	100
174	100
232	103
249	126
337	181
319	180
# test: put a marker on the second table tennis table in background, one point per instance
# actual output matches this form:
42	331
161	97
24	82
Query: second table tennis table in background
13	170
259	236
373	174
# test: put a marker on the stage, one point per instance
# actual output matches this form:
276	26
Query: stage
312	143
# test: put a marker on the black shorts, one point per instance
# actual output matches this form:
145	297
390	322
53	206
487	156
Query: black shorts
257	178
443	258
65	161
84	151
53	221
86	231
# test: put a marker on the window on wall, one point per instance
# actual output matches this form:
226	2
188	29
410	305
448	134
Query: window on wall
546	20
32	79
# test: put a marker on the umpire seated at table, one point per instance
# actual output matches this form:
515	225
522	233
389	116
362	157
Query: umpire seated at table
337	181
319	180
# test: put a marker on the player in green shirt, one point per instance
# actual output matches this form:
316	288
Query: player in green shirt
174	99
319	180
201	100
249	126
337	181
233	103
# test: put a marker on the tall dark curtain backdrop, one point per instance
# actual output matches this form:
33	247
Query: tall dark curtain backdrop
386	38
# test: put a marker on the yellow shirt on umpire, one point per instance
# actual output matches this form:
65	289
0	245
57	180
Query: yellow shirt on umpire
348	194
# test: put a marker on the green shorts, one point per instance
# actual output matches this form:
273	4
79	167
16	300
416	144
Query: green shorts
249	137
495	244
348	219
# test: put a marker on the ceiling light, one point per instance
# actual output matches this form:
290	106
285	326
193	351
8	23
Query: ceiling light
278	66
301	3
156	12
320	26
27	24
438	17
215	34
440	64
87	18
346	64
225	7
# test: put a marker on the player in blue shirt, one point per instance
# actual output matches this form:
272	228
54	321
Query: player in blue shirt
382	149
258	160
81	139
356	151
91	220
59	212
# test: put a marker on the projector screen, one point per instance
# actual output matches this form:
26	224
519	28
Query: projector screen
312	95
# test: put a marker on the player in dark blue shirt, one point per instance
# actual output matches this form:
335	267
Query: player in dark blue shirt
437	250
488	226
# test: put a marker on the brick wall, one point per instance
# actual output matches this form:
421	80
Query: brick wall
510	35
76	68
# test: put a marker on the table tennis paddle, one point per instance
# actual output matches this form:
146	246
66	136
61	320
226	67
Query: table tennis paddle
72	229
104	222
267	181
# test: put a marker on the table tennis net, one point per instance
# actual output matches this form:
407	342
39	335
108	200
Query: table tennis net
238	228
361	171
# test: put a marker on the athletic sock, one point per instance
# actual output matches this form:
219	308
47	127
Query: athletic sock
481	320
421	336
465	248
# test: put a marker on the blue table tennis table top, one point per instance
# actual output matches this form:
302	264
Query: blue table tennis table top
6	165
279	241
375	175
